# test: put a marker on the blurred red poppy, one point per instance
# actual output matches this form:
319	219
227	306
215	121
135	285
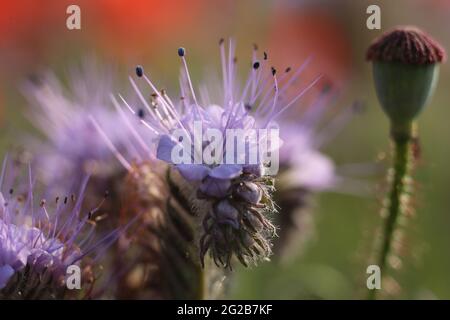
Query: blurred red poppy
299	34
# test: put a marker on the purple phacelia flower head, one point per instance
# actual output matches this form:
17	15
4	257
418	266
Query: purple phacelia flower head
63	116
225	151
40	241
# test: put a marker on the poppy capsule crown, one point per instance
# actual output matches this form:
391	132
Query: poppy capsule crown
408	45
405	69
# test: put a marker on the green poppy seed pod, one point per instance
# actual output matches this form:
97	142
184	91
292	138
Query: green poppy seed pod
405	70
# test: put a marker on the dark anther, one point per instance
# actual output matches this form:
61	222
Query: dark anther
181	52
139	71
256	65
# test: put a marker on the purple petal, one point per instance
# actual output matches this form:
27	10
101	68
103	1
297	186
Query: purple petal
40	259
215	187
227	214
193	172
224	209
6	272
250	192
312	170
233	223
226	171
164	150
255	169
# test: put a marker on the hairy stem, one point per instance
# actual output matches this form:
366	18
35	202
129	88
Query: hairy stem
402	143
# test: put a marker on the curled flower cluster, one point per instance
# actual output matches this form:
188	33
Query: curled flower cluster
187	211
38	244
238	223
74	147
233	200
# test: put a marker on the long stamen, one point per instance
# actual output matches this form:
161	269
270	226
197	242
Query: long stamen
110	145
156	91
258	75
172	108
2	175
155	115
30	193
204	95
275	98
129	126
140	73
255	49
134	113
336	124
224	70
314	113
273	117
169	107
65	229
166	114
230	71
181	53
287	85
248	83
59	210
262	80
251	81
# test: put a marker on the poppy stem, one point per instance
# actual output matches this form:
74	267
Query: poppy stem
397	202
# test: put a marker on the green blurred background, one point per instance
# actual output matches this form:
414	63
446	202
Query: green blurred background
125	33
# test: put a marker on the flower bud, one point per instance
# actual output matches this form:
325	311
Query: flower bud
249	192
227	214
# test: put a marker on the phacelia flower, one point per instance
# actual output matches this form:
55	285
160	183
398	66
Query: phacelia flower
73	143
231	191
40	241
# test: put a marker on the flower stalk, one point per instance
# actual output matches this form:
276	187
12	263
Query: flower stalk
398	196
405	71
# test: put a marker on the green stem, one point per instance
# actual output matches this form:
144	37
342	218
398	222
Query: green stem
201	290
401	138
